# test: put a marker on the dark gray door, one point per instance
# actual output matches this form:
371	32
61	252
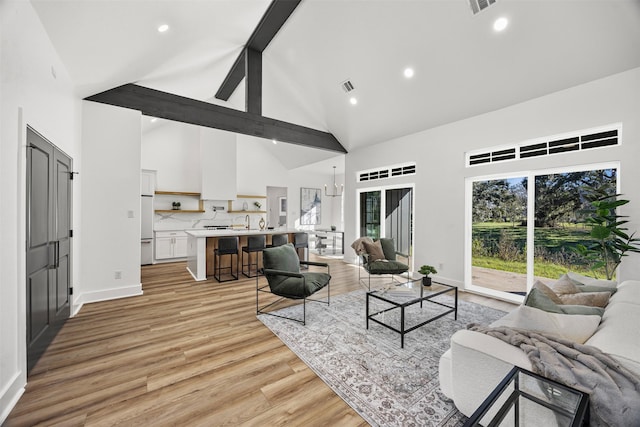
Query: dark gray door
48	243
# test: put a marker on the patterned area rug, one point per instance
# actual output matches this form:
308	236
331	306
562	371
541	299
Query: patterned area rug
386	385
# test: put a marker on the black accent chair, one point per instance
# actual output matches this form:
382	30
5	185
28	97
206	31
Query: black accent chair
255	245
284	279
381	263
226	246
278	240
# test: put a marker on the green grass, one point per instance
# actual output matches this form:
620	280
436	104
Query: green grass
558	243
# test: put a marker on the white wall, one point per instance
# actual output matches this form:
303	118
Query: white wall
439	154
110	203
30	95
173	149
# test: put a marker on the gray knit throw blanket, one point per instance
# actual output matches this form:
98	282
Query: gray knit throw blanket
614	390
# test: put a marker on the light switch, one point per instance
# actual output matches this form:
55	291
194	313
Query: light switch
130	214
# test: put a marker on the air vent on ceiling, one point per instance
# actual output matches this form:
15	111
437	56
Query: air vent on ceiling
585	140
387	172
479	5
347	86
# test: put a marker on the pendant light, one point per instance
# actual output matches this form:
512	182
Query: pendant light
335	187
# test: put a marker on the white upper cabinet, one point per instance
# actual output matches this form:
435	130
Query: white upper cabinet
218	157
147	182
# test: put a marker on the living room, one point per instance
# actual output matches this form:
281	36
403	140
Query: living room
31	95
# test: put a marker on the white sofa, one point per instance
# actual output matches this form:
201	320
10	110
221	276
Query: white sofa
476	362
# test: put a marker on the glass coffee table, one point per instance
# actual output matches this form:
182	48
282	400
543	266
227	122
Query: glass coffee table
526	399
396	306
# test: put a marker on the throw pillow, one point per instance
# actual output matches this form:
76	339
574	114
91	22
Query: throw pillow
538	299
594	299
594	288
577	328
547	291
374	250
564	285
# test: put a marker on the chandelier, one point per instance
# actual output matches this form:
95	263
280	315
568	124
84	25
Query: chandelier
335	187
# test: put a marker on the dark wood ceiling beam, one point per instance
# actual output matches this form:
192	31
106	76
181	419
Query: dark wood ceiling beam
168	106
273	19
253	92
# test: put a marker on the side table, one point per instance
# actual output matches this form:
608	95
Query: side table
526	399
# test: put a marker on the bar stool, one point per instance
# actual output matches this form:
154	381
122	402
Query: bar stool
278	240
255	244
226	246
301	241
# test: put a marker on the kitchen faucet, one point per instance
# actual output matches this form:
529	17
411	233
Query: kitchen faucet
247	219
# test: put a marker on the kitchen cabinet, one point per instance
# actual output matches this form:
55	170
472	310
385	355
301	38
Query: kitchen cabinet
189	202
147	182
238	205
171	244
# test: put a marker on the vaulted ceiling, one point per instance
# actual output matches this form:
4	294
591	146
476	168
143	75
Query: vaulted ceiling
462	66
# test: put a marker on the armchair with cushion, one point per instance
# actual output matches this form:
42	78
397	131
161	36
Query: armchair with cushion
379	258
284	279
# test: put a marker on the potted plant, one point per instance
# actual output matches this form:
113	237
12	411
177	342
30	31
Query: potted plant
176	205
257	205
426	270
610	242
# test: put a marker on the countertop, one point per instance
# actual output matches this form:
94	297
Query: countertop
241	232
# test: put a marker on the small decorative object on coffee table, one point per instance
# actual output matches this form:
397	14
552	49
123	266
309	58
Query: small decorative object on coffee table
426	270
526	399
395	306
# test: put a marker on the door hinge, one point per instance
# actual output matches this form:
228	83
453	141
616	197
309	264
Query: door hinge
73	173
70	233
71	290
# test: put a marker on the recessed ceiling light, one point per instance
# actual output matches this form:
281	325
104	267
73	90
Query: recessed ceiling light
408	72
500	24
274	141
163	28
154	119
353	100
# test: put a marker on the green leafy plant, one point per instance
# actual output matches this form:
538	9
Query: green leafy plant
427	270
257	205
610	241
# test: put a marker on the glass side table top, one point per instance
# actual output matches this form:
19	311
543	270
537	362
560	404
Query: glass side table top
526	399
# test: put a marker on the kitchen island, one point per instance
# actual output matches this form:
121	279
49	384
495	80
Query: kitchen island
202	243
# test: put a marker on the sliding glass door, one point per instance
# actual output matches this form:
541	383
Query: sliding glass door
525	227
395	205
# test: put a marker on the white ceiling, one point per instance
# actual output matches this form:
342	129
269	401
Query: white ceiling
462	67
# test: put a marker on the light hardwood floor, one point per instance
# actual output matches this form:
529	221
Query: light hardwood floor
184	353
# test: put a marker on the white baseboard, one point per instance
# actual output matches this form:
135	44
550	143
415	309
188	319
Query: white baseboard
10	395
105	295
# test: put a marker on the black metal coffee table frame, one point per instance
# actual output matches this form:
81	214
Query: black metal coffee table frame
402	305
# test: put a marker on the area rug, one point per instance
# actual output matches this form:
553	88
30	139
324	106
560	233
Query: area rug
385	384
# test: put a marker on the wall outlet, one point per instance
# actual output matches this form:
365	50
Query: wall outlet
117	274
130	214
440	266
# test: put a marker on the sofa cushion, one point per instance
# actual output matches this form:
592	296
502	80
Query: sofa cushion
596	288
619	335
537	299
577	327
586	280
628	291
